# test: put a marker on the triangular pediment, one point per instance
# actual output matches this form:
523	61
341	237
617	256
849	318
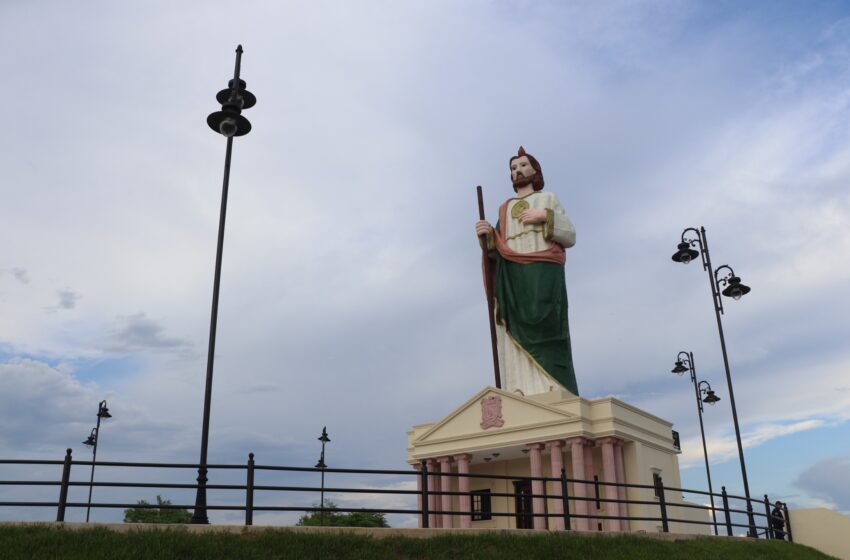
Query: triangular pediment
471	418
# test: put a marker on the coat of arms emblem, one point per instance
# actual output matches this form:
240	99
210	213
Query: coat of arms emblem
491	412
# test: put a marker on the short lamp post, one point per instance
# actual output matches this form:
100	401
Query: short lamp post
685	362
322	466
229	123
91	441
734	289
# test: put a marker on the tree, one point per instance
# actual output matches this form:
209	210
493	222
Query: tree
333	518
156	515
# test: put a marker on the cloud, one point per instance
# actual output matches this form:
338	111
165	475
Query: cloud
46	409
67	300
138	333
725	448
43	407
828	481
21	275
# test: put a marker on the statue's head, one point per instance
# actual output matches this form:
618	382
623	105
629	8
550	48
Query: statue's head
525	169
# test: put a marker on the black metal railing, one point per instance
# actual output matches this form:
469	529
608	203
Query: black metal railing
666	504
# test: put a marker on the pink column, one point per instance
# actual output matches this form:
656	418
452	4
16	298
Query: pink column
446	486
463	486
538	506
557	463
589	488
433	487
620	465
579	490
609	472
418	469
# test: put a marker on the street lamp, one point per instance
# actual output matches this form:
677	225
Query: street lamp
229	123
91	441
710	397
685	362
321	465
734	289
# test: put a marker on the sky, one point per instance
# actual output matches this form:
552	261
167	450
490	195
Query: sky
351	293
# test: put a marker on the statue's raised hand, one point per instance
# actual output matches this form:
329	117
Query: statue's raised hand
533	216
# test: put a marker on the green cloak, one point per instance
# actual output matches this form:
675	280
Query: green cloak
531	301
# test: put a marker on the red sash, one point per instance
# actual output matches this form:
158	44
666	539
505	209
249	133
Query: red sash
553	254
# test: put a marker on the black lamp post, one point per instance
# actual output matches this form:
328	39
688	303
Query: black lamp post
322	466
229	123
91	441
685	362
734	289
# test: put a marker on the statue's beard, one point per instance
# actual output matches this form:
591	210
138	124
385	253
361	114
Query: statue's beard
522	181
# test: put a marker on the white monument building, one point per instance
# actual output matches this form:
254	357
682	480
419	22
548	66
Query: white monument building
507	434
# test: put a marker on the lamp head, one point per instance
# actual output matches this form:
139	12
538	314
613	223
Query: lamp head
685	254
248	99
321	464
710	397
103	412
680	368
735	289
91	441
229	123
324	437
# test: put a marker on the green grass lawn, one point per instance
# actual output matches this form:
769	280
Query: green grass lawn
94	544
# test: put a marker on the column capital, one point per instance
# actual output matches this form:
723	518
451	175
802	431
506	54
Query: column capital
555	443
580	440
430	462
462	457
534	446
444	460
608	439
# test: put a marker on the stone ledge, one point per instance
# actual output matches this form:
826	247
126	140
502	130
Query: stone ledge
374	532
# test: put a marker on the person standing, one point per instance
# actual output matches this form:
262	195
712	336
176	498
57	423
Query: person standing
777	521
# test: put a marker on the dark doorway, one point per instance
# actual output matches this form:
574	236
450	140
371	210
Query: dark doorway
522	504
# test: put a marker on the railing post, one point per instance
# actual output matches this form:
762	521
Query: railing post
596	490
662	502
726	511
63	489
565	498
768	530
249	492
424	475
787	522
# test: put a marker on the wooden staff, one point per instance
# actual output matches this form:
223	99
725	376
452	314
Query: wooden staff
488	289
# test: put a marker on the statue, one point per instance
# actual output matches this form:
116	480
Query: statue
526	249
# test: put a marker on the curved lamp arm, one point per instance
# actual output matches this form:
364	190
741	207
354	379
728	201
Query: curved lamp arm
725	279
695	241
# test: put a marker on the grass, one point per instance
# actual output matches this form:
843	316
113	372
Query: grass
32	542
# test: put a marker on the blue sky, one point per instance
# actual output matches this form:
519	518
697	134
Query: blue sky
351	292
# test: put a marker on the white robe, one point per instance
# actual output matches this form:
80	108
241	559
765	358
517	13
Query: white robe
518	370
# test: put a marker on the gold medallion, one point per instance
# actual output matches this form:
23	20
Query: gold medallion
518	208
